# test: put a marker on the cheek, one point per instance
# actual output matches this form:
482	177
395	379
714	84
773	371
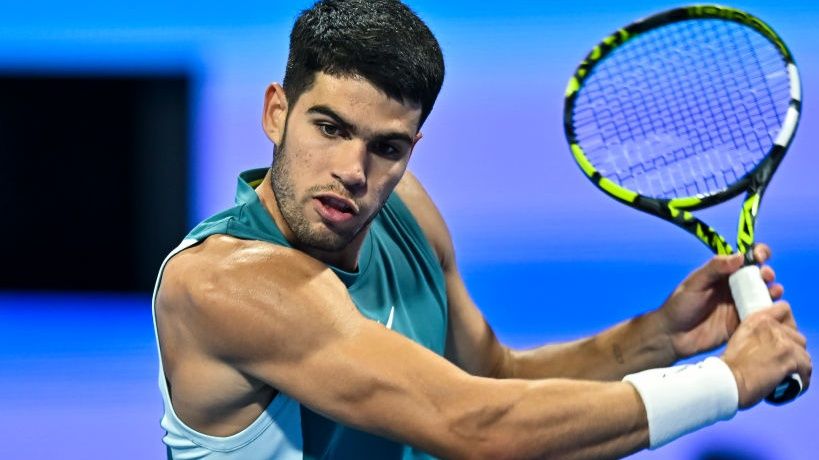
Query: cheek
390	173
305	160
304	142
396	171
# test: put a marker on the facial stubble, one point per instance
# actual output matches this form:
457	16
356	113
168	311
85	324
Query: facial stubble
324	239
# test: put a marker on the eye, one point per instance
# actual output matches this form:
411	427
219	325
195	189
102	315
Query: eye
386	149
329	129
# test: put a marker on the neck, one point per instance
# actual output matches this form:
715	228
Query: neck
345	258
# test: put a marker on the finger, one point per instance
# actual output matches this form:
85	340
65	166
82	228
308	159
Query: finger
718	268
768	273
795	357
796	337
762	252
782	313
789	319
804	367
779	312
776	291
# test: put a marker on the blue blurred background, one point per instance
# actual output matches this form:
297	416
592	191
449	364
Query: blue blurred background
546	256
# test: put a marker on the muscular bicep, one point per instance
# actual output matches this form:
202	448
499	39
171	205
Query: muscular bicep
376	380
349	367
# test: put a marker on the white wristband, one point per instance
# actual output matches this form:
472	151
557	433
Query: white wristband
682	399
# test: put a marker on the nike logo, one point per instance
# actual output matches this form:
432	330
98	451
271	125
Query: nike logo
392	315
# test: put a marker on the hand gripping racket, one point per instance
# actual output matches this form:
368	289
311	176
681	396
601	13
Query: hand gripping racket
683	110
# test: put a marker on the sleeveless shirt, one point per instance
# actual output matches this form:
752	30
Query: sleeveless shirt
399	283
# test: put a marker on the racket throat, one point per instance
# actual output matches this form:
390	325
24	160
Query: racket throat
747	221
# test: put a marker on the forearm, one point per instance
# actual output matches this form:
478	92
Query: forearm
548	419
512	419
633	345
401	391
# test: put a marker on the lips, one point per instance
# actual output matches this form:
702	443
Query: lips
334	208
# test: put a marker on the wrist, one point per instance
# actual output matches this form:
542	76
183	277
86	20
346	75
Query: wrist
682	399
739	378
662	329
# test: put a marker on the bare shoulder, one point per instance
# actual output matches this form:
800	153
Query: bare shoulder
422	207
232	292
223	265
221	253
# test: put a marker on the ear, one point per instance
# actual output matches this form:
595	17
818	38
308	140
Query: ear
275	113
418	137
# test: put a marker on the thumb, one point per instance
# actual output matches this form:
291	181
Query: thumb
717	269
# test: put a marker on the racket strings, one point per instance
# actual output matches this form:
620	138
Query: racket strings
683	110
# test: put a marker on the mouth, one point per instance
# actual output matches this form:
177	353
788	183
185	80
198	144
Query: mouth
334	208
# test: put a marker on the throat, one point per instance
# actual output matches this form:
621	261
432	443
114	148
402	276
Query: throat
345	259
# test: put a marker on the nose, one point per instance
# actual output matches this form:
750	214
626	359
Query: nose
350	167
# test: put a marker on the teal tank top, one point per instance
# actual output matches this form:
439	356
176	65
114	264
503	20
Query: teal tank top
399	283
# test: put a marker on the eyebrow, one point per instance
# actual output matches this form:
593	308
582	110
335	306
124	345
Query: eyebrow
347	126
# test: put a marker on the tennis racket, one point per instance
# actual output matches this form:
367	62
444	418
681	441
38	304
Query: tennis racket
681	111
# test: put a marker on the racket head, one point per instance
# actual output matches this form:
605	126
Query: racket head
669	98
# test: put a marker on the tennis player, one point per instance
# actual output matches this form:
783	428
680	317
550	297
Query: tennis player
323	316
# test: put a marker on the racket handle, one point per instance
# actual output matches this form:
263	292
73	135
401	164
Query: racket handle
751	295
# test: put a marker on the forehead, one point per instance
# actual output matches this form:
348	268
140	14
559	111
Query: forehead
360	102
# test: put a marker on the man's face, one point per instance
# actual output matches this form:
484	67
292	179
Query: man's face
344	147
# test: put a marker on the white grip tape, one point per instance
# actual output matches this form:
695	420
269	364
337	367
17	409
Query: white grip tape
749	291
751	295
682	399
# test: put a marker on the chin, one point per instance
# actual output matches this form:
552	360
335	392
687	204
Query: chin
322	238
328	244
